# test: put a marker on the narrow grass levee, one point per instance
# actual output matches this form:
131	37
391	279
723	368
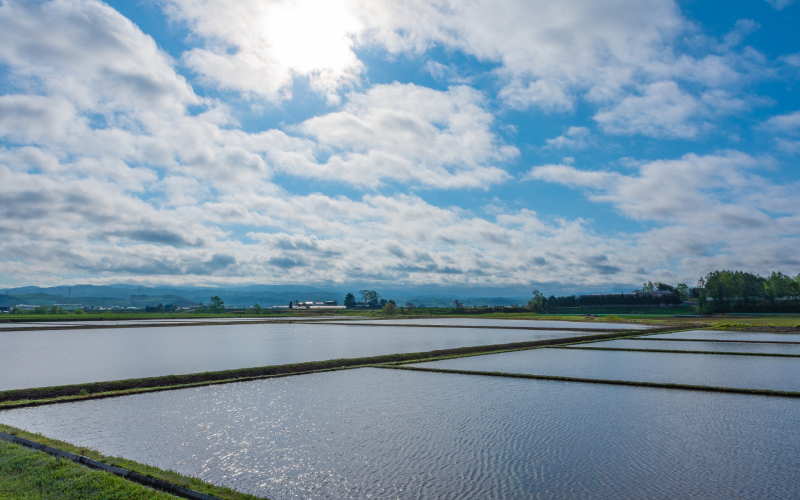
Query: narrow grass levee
28	473
482	327
722	340
47	395
683	351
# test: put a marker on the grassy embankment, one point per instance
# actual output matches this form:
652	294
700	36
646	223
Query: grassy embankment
121	316
30	474
26	473
684	351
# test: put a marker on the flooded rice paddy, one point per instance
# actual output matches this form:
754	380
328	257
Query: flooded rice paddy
379	433
399	434
61	357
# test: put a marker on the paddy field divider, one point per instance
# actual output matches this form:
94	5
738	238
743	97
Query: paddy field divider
674	339
680	351
149	481
167	481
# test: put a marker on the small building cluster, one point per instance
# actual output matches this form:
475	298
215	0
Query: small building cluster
328	304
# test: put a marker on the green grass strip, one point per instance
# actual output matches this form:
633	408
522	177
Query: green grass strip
680	351
482	327
59	394
162	325
33	478
656	385
30	474
720	340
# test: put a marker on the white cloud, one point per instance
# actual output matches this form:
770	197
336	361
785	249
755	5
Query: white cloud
448	72
548	50
709	211
788	123
786	130
88	52
105	175
259	47
662	110
409	133
671	190
780	4
548	54
573	138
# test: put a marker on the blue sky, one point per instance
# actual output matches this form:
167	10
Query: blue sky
487	145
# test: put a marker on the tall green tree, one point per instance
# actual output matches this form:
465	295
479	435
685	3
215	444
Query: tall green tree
682	290
537	301
349	301
731	290
217	305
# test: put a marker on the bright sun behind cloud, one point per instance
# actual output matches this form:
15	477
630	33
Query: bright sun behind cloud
312	36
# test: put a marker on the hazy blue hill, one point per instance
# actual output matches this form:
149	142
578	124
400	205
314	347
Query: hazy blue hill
267	299
167	299
74	291
277	288
243	296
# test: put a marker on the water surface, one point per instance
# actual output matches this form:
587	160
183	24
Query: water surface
373	433
747	372
61	357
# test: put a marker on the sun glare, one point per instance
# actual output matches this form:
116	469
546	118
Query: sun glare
312	36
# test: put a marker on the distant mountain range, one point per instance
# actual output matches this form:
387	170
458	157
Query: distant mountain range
264	295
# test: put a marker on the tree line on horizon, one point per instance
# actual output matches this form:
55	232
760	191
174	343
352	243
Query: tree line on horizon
718	291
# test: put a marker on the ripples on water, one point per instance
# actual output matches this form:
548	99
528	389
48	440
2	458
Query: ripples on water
748	372
47	358
373	433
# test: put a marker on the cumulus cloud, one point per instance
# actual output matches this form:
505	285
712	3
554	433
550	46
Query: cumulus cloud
139	186
106	174
786	131
409	133
780	4
699	203
663	109
88	52
259	47
573	138
548	51
546	54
